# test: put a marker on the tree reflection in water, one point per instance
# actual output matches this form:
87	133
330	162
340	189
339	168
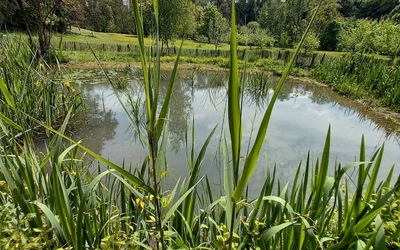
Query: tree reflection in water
97	123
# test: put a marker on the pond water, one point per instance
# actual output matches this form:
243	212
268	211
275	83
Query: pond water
299	124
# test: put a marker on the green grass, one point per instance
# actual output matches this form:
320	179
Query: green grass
362	77
88	36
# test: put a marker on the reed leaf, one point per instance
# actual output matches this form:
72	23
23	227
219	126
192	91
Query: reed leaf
165	107
143	60
9	98
130	177
234	113
228	183
82	210
271	232
174	207
10	122
53	221
252	157
194	176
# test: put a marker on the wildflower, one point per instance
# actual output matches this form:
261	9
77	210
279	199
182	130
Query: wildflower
140	203
67	84
38	84
73	173
150	197
1	70
72	90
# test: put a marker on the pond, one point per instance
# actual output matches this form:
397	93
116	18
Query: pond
299	124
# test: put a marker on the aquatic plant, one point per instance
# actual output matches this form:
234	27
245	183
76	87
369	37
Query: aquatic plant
33	87
362	77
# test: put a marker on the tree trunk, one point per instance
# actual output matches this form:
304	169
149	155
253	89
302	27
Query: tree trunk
44	39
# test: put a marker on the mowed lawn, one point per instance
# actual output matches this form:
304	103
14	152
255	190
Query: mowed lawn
92	37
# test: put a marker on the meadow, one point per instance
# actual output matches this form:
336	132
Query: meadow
50	201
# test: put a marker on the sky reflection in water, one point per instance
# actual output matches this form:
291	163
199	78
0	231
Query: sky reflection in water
298	124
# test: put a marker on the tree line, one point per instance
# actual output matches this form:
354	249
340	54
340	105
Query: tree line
348	25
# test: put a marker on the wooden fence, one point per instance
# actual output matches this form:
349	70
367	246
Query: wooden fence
304	60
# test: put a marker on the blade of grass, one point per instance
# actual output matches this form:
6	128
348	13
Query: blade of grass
130	177
7	95
251	159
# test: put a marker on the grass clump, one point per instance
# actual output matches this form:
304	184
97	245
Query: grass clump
362	77
30	85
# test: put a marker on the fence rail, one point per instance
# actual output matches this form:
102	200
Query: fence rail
304	60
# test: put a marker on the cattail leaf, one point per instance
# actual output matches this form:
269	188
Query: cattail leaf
7	95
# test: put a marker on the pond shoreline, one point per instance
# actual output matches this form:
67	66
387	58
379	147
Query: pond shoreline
371	107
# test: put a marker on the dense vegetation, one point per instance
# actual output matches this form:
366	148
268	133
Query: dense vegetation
346	25
50	200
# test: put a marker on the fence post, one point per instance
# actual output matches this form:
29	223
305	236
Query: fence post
322	59
312	64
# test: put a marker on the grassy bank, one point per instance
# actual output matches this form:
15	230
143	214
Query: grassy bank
363	78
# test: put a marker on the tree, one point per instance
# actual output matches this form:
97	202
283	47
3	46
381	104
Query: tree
348	8
327	13
176	19
39	16
376	9
74	12
253	35
394	15
273	16
329	39
214	25
387	38
311	42
358	36
7	13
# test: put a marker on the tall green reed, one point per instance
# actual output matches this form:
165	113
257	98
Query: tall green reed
25	84
362	77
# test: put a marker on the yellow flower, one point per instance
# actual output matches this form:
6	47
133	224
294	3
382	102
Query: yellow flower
73	173
1	70
150	197
72	90
142	204
38	84
67	84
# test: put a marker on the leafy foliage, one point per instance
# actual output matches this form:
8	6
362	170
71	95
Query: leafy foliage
214	25
253	35
371	36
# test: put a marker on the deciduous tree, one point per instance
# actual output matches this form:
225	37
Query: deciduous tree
214	25
40	16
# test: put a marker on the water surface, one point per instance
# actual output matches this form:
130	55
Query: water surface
299	124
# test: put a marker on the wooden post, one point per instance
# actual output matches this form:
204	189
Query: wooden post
322	59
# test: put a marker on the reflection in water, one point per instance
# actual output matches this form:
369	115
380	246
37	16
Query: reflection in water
299	123
98	124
